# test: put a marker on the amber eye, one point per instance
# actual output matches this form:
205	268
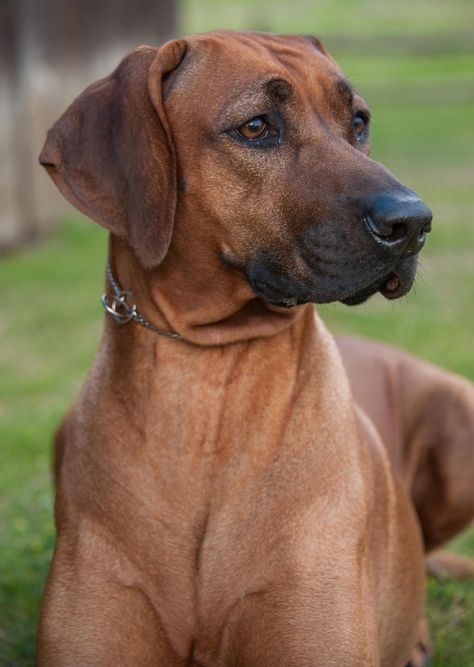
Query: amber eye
359	123
255	128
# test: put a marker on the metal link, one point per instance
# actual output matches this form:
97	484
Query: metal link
123	312
118	307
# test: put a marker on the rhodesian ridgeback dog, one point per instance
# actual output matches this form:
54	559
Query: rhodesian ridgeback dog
221	498
425	417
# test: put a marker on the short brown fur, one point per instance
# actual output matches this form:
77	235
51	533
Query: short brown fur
222	500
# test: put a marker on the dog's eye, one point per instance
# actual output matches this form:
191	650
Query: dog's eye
255	128
360	124
262	131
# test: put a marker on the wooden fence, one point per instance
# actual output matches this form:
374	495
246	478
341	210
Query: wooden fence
49	51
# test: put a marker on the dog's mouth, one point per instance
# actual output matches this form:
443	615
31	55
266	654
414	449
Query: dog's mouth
277	289
393	286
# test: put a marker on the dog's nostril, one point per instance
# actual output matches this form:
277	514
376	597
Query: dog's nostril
399	231
388	233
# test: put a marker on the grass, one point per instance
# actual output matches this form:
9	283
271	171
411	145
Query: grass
49	325
50	318
363	18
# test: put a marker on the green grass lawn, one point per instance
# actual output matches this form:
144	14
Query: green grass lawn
364	18
50	317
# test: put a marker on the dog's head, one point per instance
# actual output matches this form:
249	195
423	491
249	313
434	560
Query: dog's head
246	154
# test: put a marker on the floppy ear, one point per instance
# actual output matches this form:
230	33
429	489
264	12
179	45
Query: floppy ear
111	153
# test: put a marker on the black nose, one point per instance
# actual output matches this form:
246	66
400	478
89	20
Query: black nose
400	222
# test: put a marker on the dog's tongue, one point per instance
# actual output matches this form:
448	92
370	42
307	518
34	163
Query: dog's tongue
392	284
393	287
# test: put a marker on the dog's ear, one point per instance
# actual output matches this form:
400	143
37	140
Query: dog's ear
111	153
316	42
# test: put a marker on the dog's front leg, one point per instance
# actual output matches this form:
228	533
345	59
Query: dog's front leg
91	616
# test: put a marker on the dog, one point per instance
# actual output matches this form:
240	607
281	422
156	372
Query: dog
221	498
425	417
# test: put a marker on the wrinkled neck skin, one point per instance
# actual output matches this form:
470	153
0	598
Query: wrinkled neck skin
194	294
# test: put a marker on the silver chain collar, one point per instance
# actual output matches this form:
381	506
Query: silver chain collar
121	307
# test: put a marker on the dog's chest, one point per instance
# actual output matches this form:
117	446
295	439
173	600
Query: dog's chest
217	485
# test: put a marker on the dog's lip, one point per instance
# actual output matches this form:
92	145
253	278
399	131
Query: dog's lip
273	295
392	286
269	293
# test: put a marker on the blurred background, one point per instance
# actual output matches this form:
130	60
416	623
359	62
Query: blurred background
413	60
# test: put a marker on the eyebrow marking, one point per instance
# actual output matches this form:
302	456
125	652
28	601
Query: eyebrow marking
260	96
345	90
279	88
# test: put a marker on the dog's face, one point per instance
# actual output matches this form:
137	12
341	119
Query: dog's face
235	166
272	145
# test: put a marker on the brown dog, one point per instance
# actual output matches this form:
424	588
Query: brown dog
221	500
425	417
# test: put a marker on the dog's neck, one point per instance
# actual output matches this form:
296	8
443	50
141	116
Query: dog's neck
204	304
